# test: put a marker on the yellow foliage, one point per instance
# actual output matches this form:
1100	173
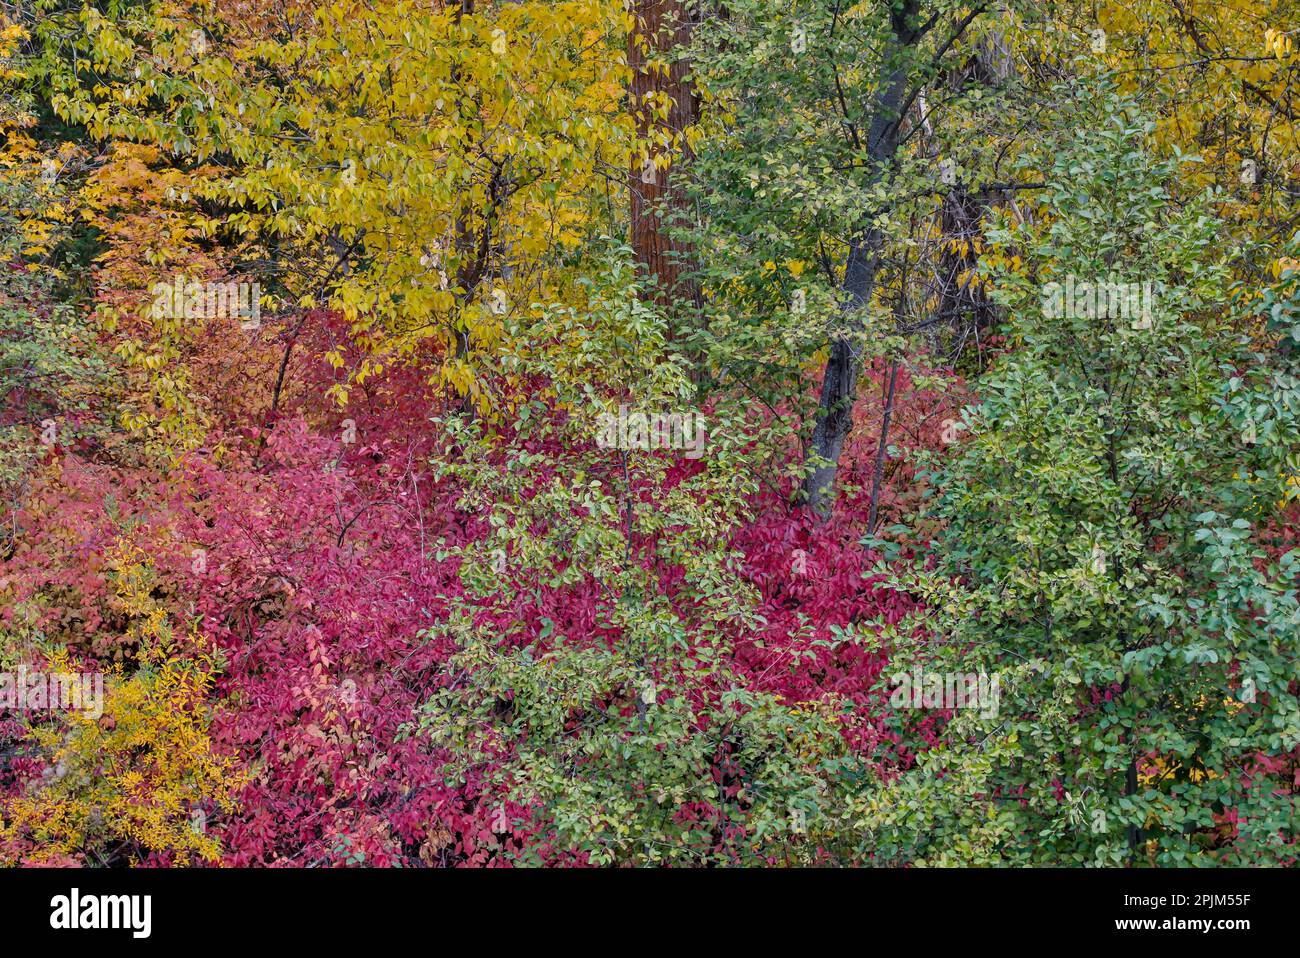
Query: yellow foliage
448	178
139	772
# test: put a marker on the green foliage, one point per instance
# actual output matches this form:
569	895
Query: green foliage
1102	548
53	380
646	747
784	179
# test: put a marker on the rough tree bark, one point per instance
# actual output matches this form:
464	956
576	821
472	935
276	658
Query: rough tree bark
659	27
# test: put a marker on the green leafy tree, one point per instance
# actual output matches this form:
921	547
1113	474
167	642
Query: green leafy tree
1104	548
829	132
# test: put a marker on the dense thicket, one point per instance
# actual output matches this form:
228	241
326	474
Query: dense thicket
484	432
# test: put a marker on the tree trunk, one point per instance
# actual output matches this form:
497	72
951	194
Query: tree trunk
840	379
659	26
964	310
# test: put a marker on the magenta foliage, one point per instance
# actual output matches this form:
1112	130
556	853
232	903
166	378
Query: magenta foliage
304	558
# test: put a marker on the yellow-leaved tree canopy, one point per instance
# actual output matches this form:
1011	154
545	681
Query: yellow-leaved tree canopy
422	167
